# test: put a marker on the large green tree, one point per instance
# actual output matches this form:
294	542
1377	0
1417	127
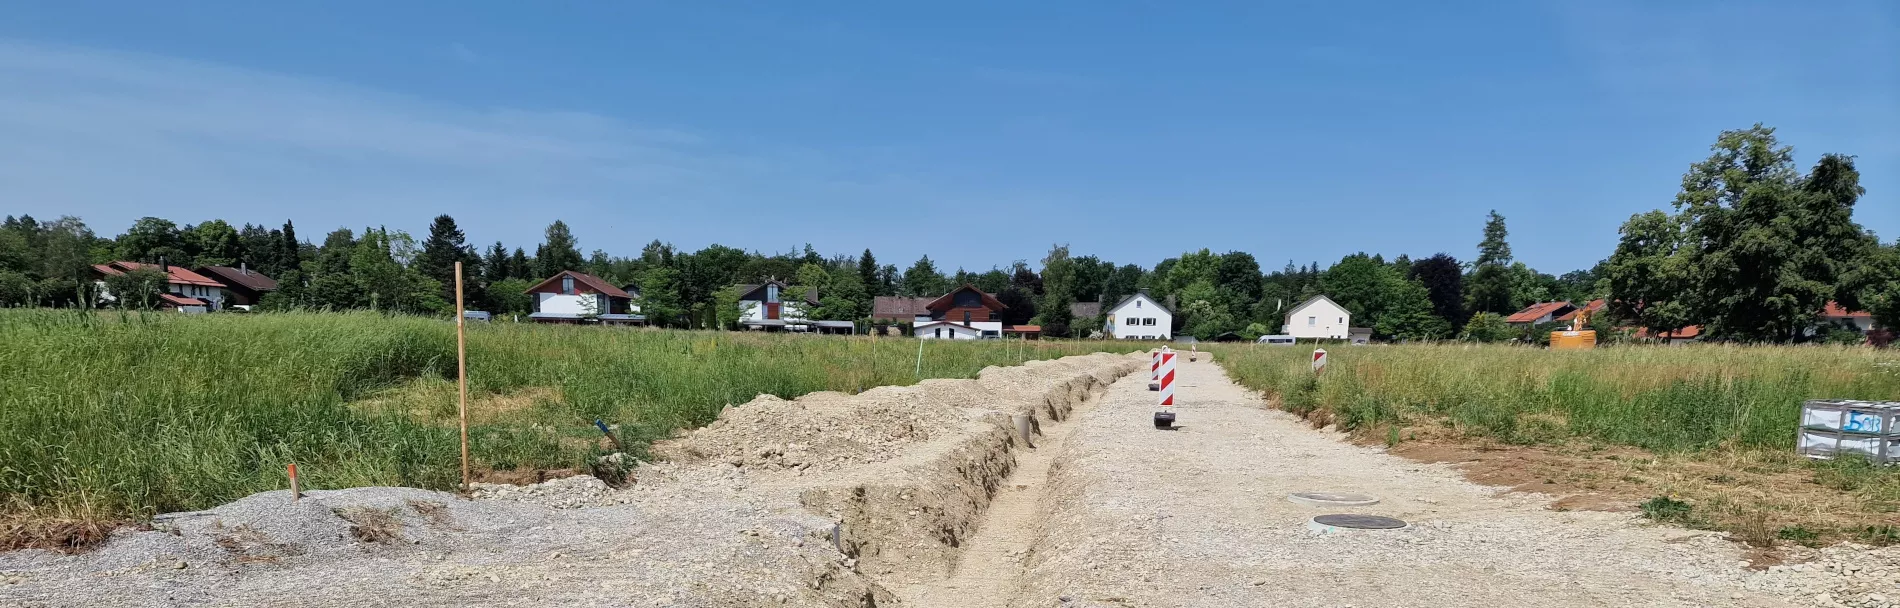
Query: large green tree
151	239
1647	280
923	280
445	246
1058	291
214	243
1444	281
1765	247
559	251
1489	287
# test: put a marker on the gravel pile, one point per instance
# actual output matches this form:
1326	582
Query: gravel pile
565	493
1843	575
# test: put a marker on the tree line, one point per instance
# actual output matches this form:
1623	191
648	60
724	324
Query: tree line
1753	251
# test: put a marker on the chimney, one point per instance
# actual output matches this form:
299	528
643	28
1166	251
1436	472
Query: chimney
162	266
244	269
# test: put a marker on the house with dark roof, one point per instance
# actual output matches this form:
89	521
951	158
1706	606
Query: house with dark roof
184	290
899	309
1082	311
1139	317
572	296
1539	313
770	306
966	313
1319	318
243	287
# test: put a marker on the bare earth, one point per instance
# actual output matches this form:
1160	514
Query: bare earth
926	496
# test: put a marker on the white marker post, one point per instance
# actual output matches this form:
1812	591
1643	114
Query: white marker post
1164	418
1319	360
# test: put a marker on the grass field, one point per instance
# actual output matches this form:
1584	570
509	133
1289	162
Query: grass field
107	418
1707	429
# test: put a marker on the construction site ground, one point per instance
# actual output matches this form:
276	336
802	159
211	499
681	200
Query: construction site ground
928	496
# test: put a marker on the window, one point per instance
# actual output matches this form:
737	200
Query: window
1312	321
1137	303
1148	321
938	333
567	285
1342	320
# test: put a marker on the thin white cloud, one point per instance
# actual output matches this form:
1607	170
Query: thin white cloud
462	53
112	136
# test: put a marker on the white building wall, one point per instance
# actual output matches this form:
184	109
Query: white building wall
1319	319
1140	318
568	304
214	295
956	331
754	310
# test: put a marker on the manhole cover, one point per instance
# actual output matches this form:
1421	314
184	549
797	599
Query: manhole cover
1358	522
1332	499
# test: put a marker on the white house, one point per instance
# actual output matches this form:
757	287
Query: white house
767	306
1318	317
966	313
577	297
184	290
1138	317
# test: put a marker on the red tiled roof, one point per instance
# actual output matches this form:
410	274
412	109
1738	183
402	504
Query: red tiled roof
1834	310
1535	312
1593	307
176	274
553	284
989	301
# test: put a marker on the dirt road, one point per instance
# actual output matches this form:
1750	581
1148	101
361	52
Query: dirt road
1132	516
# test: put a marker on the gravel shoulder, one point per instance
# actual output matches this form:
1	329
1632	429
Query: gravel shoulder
1200	517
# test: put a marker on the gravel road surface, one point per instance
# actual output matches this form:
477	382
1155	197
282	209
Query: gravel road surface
1199	517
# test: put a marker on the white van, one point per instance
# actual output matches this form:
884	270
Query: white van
1275	340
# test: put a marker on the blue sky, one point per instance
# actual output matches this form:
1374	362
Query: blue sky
979	133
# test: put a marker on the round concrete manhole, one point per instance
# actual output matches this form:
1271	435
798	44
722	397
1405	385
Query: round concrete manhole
1328	523
1332	499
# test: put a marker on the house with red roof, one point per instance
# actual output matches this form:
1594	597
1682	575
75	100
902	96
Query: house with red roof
1539	313
1835	314
184	290
966	313
1594	308
571	296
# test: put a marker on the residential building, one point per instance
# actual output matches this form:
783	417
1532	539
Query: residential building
184	290
899	309
768	306
1083	311
1319	317
1539	313
966	313
243	287
1359	335
1138	317
1692	333
1593	308
1836	315
577	297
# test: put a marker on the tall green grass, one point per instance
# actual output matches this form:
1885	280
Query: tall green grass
114	416
1665	399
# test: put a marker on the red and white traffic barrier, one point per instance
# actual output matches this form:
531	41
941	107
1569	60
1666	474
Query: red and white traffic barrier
1167	379
1154	368
1164	382
1319	360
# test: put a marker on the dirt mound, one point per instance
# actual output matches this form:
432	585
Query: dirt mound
829	431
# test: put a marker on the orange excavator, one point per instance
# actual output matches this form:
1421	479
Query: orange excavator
1576	337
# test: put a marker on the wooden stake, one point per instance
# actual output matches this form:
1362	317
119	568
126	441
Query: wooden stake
295	492
461	370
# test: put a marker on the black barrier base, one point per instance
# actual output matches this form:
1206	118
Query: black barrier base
1154	386
1164	420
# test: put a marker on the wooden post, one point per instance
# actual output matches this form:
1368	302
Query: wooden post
461	370
296	493
920	357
